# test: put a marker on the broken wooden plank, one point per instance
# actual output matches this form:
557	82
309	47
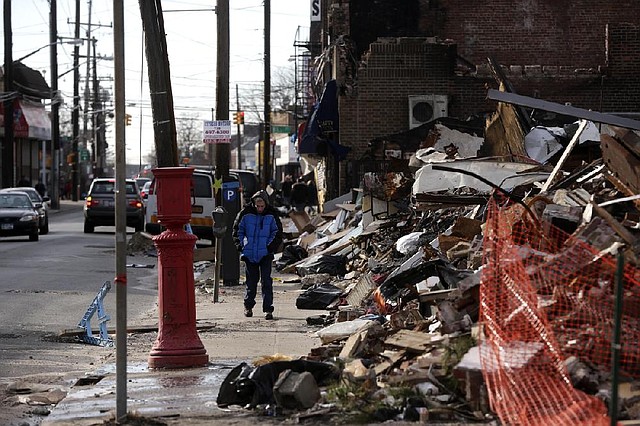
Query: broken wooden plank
621	162
412	340
392	358
565	155
354	345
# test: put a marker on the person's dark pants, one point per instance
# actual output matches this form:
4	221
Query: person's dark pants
255	272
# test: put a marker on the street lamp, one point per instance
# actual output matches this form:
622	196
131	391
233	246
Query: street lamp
72	41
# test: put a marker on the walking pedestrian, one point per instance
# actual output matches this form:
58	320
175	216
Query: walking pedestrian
286	190
299	195
41	188
312	197
257	234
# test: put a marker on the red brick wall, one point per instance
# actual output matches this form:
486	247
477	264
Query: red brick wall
395	70
545	32
583	52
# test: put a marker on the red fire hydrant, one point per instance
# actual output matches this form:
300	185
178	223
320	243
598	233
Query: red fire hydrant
178	344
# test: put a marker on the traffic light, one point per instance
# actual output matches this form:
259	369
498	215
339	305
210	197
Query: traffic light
238	117
71	158
127	119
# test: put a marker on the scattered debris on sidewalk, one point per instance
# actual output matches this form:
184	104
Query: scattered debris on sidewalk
446	291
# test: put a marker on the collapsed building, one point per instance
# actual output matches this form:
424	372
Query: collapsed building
490	285
477	243
382	67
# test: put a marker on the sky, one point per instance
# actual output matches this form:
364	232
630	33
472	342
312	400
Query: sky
191	43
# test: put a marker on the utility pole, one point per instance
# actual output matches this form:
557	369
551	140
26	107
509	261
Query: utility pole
121	214
87	92
96	118
238	131
222	150
55	106
164	122
266	148
75	114
230	259
8	168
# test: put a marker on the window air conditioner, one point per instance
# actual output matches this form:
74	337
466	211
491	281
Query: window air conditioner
424	108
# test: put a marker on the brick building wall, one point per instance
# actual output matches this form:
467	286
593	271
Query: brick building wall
583	52
396	69
545	32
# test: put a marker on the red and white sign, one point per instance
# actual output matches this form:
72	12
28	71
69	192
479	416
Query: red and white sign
218	131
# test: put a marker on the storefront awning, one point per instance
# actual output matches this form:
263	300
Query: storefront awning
30	120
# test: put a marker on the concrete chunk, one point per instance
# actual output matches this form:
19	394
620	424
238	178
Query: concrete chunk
296	390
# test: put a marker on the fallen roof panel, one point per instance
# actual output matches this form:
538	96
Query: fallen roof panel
598	117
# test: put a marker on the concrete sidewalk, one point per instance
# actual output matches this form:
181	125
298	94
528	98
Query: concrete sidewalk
67	205
187	396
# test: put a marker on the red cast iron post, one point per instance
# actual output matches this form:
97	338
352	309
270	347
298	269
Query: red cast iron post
178	344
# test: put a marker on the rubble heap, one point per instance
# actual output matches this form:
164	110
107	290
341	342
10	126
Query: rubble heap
478	289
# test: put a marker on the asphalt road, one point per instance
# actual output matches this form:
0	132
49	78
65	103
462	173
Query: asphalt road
47	286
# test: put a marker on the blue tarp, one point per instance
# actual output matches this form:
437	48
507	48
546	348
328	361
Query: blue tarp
323	127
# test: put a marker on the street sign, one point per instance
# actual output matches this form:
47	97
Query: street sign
84	155
218	131
280	129
230	190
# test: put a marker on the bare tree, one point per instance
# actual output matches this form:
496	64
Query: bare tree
189	135
282	94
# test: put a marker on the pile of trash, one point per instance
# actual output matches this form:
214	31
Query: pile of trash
475	289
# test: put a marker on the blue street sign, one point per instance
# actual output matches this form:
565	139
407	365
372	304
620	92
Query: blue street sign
230	190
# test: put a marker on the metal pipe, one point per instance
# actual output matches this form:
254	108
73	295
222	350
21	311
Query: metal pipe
615	344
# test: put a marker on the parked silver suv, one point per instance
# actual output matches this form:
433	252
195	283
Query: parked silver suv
100	205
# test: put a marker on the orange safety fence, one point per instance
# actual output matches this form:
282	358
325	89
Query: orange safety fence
546	296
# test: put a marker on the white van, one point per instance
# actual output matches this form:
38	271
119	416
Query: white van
202	205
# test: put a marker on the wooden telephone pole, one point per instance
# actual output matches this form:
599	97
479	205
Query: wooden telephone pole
266	147
222	150
164	123
8	172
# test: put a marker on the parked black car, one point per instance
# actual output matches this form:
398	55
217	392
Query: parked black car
100	205
40	203
18	215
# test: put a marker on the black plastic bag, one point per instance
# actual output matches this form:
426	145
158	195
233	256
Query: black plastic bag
291	255
318	296
249	386
334	265
237	388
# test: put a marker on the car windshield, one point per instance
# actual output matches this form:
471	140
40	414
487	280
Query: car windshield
32	193
108	187
16	201
35	197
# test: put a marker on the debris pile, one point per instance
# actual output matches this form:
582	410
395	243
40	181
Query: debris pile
140	243
479	288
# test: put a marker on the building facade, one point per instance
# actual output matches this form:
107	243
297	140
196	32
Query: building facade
398	65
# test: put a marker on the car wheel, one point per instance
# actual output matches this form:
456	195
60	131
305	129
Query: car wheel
45	228
34	236
88	227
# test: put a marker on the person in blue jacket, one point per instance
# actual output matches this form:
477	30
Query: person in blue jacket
257	234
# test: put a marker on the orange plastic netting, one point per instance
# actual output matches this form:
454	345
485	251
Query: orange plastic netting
545	296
